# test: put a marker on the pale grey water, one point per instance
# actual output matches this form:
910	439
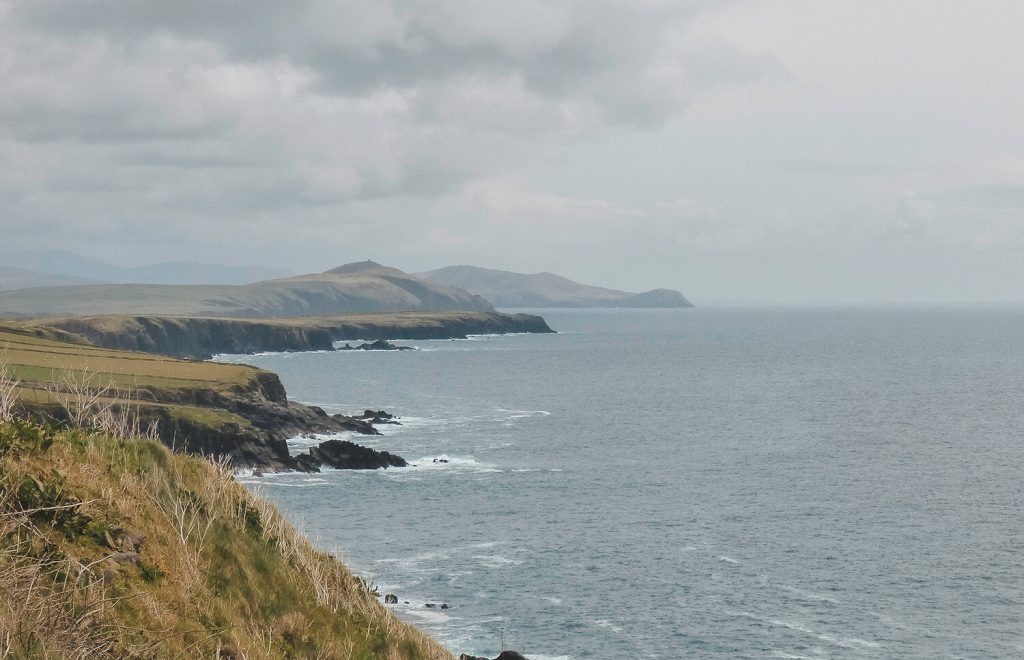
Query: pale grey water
814	483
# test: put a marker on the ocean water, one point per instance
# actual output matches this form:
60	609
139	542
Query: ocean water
720	483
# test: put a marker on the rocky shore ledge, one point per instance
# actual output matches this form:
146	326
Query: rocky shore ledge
200	338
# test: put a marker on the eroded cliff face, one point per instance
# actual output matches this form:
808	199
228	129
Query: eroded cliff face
193	338
201	338
247	421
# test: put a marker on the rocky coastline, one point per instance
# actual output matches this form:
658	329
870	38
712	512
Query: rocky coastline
200	338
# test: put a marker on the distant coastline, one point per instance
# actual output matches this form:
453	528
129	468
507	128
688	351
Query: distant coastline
200	338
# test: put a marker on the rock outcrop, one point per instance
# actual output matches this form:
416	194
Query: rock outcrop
378	345
345	455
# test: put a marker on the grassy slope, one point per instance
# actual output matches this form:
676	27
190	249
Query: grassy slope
41	364
219	570
35	359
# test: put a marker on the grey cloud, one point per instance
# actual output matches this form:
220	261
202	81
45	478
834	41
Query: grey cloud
629	59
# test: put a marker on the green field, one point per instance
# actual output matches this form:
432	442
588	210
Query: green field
43	368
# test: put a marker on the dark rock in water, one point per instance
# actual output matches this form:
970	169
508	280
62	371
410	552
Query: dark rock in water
305	463
430	606
390	599
510	655
345	455
444	606
379	345
440	460
378	417
466	656
355	425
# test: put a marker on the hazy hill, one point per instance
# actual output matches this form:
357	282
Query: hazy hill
70	264
507	289
20	278
354	288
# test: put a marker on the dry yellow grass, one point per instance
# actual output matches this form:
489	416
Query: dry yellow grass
219	571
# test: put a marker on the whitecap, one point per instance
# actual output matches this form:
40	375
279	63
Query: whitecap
728	560
605	623
496	561
300	443
446	462
845	642
808	595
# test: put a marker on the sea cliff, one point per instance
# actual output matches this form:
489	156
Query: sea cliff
200	338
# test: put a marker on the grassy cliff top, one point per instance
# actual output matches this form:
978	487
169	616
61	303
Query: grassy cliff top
39	361
117	548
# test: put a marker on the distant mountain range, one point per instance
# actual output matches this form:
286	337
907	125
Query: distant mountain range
354	288
506	289
19	278
81	270
58	283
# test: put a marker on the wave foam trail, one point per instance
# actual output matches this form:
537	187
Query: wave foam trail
446	462
301	443
496	561
845	642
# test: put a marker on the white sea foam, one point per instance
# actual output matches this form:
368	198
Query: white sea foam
427	615
845	642
496	561
521	414
605	623
415	559
301	443
728	560
443	462
807	595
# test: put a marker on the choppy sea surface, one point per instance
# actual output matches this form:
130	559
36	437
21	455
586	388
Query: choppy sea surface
757	483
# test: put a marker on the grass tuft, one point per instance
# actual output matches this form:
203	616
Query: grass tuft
116	548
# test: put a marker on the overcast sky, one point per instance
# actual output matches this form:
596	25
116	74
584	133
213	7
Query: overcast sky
780	151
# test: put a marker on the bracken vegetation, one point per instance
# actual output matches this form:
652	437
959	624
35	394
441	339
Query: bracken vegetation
111	546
